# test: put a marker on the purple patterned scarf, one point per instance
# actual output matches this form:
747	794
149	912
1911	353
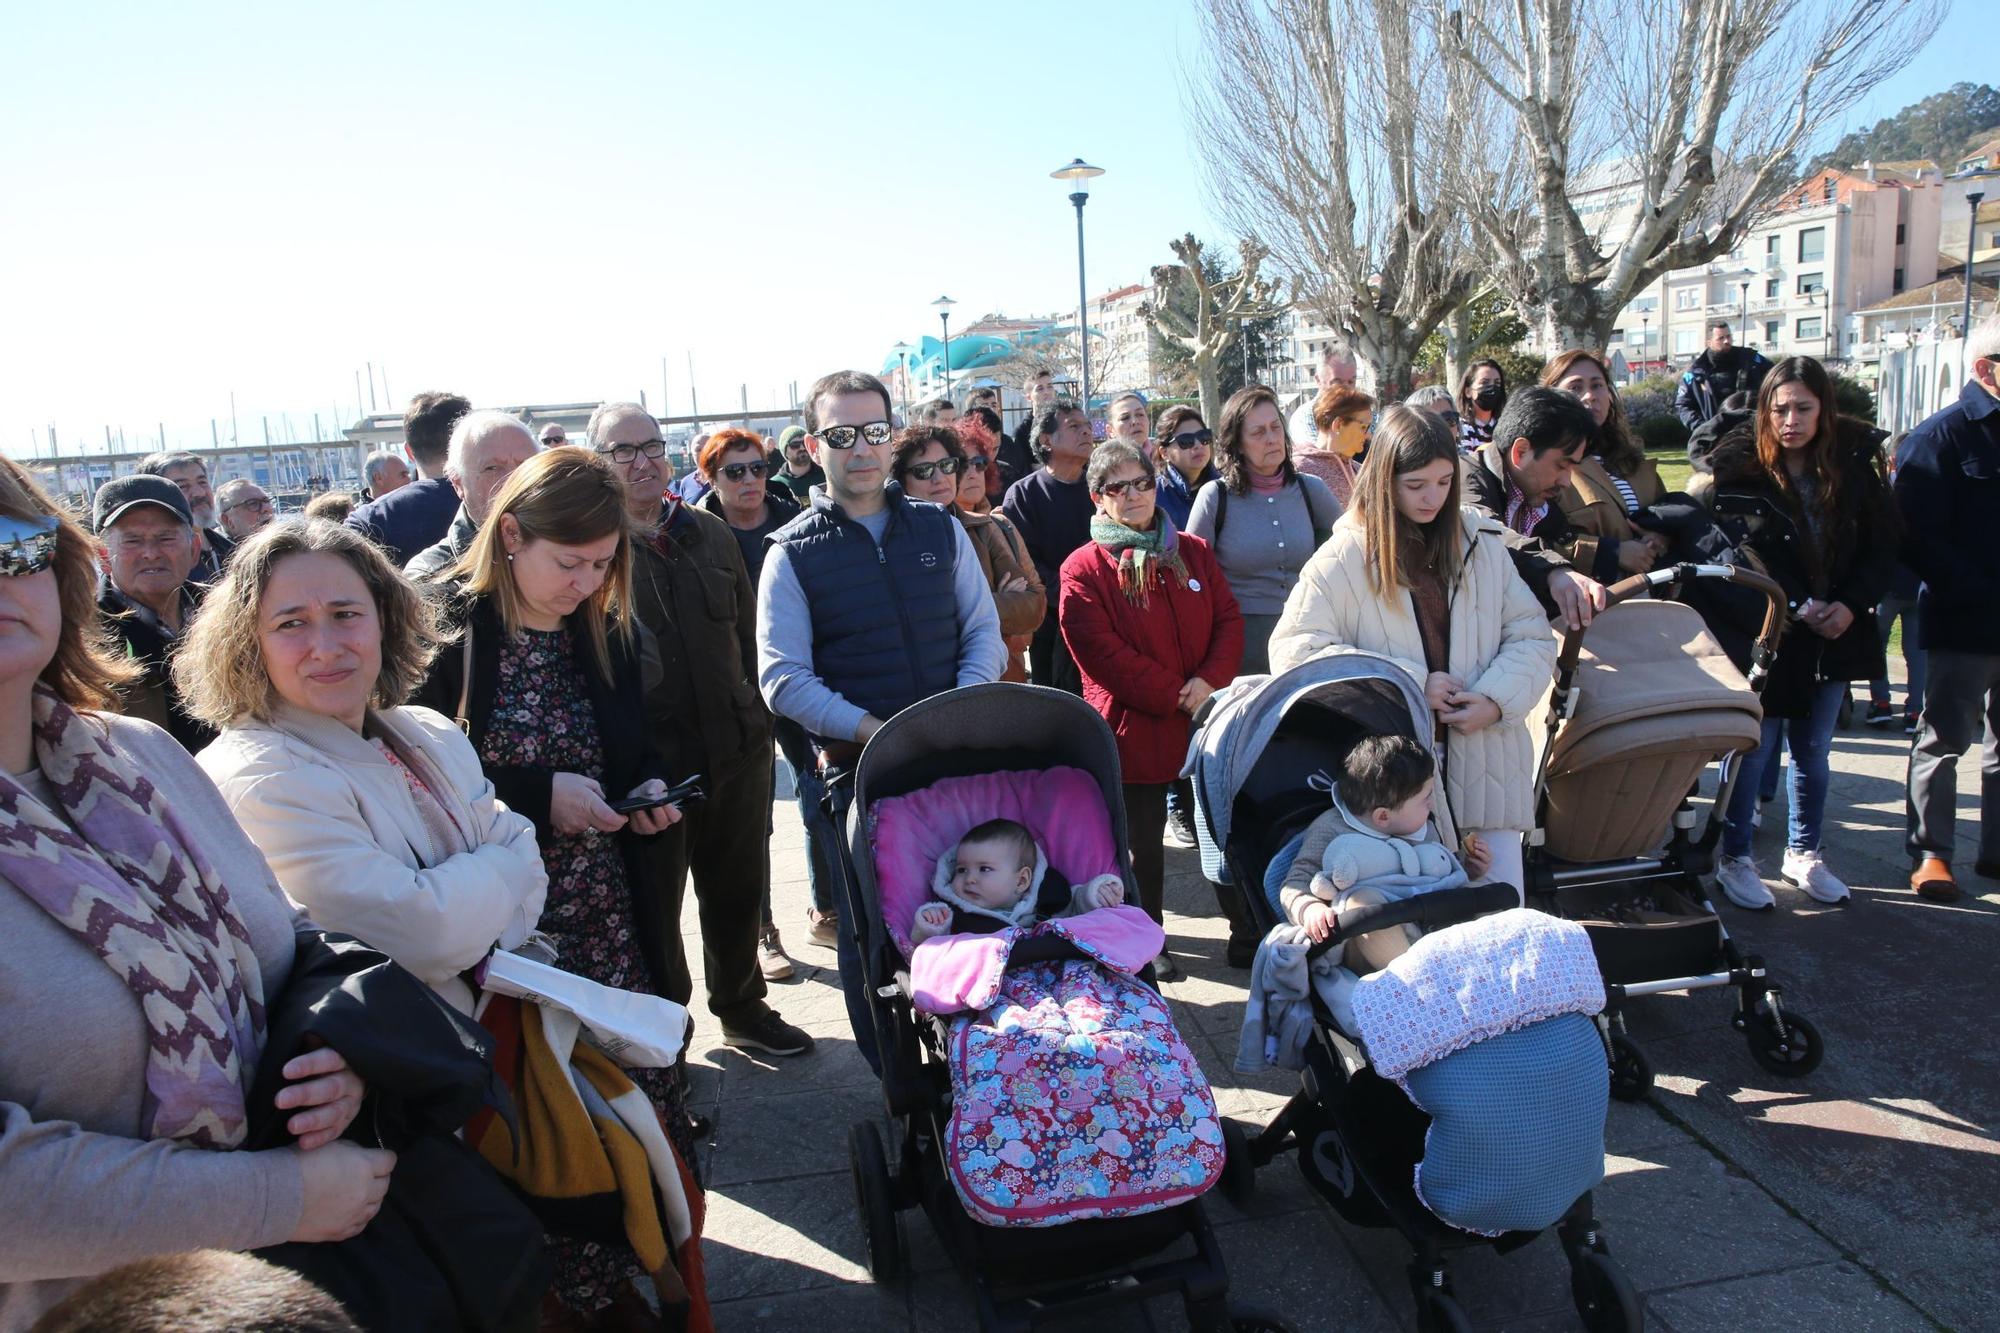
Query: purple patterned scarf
117	869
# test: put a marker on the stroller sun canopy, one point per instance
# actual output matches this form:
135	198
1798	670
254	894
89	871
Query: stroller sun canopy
1365	687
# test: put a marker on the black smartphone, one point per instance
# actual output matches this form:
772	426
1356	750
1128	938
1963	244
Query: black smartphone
682	794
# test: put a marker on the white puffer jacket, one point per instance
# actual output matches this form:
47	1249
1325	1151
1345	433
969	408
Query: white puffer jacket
1500	643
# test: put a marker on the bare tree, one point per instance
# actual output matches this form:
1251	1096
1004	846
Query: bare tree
1648	136
1323	128
1207	328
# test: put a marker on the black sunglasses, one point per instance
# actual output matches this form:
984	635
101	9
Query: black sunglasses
1189	439
621	454
925	471
977	463
876	433
736	471
1114	489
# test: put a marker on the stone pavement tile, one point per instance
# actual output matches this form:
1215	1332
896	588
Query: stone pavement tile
834	1063
779	1136
1834	1295
853	1308
1672	1216
1298	1268
782	1236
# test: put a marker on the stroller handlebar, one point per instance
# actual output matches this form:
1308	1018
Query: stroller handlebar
1426	911
1761	652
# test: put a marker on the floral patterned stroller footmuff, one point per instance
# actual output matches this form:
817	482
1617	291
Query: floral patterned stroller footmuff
1073	1095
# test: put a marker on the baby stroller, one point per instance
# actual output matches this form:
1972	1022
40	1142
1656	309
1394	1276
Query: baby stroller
1025	753
1645	699
1261	763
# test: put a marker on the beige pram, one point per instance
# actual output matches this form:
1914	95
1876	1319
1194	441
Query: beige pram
1645	700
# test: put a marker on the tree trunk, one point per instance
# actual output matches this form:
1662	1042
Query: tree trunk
1390	360
1457	344
1209	377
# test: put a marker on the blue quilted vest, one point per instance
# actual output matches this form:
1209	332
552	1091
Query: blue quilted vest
885	619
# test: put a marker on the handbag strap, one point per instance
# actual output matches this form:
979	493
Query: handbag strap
464	714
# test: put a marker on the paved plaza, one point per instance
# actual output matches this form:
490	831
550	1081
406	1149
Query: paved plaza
1865	1197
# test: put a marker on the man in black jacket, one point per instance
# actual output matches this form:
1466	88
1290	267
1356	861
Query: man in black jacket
1017	452
413	517
1948	489
1518	477
1721	370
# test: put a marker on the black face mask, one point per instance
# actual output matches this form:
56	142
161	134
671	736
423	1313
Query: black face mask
1490	398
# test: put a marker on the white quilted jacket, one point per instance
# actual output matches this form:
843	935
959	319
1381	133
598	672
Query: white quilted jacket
1500	642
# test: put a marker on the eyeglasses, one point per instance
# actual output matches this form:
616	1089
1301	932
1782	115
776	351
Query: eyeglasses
1114	489
622	454
925	471
262	504
27	545
737	471
1189	439
875	433
977	463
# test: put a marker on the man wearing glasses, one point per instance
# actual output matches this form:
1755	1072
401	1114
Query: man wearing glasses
485	449
694	600
244	507
147	539
869	602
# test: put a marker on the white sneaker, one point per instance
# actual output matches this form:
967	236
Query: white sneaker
1808	872
1739	881
771	958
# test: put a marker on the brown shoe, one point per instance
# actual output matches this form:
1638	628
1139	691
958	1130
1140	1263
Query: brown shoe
1933	882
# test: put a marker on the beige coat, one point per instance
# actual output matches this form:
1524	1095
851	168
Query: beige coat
341	830
1500	644
1596	510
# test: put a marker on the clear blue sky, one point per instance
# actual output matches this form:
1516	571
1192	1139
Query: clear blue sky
538	202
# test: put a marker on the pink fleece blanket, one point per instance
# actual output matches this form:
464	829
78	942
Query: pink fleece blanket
954	972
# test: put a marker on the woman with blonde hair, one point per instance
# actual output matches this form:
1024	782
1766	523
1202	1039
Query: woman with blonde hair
1613	482
135	912
1413	575
544	678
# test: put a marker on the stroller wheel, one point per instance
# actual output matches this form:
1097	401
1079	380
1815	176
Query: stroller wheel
1239	1168
1604	1295
1794	1055
1631	1071
1439	1312
875	1194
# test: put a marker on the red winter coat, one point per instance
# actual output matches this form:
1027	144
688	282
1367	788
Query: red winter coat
1134	661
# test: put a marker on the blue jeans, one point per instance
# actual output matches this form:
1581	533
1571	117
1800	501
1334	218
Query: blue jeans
1810	740
1914	662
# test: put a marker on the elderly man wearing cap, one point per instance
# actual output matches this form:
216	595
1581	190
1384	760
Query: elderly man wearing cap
146	535
799	472
190	475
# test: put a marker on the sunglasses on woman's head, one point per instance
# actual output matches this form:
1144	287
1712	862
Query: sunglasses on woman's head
1189	439
737	471
27	545
876	433
925	471
1114	489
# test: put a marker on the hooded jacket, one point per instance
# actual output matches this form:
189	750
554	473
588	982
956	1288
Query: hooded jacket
1500	644
1851	562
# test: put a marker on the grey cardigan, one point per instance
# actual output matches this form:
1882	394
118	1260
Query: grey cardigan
81	1194
1267	539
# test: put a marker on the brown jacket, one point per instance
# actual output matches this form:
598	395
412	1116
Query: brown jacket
1596	511
1002	555
694	598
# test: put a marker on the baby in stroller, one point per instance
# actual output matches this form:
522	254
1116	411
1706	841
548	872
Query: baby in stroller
1376	845
997	877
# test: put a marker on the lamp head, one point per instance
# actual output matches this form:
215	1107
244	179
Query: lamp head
1077	174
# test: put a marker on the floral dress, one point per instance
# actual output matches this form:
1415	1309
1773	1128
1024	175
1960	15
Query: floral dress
542	718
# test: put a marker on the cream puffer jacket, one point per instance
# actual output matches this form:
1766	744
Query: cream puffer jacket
1500	643
340	828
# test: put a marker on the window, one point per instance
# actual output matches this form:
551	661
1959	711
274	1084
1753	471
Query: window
1830	190
1771	327
1771	246
1687	298
1684	342
1812	245
1900	228
1809	329
1896	284
1811	282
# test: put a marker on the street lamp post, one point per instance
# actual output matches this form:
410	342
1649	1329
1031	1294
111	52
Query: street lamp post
1743	291
1079	175
1645	343
944	305
1972	198
902	351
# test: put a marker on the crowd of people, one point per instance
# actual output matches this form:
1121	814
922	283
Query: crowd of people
531	688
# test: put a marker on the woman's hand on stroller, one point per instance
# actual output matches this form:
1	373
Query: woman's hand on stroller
1470	712
1478	857
1439	687
1317	921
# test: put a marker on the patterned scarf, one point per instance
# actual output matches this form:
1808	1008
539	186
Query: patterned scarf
122	874
1141	554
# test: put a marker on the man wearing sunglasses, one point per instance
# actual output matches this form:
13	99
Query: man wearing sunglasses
695	601
486	446
869	602
146	537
